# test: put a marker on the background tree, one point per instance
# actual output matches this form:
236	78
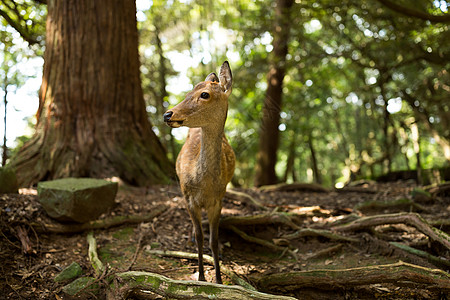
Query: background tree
269	132
91	119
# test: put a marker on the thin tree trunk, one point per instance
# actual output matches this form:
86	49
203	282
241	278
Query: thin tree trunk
424	117
5	102
269	133
92	119
166	132
317	177
291	159
416	145
387	145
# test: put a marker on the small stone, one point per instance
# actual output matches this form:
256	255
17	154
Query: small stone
71	272
77	199
8	181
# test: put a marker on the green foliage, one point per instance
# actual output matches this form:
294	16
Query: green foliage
27	17
359	76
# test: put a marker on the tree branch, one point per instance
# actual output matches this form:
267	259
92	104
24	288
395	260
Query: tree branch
23	33
410	12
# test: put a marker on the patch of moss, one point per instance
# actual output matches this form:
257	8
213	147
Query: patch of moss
73	184
208	290
123	234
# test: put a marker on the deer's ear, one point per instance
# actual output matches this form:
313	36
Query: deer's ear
225	78
212	77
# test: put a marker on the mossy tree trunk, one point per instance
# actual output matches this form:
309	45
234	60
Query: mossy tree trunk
92	119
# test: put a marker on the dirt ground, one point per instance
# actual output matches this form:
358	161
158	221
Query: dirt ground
30	275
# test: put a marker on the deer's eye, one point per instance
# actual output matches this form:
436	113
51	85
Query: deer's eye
204	95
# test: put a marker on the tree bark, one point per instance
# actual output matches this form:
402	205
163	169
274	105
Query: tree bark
91	120
269	133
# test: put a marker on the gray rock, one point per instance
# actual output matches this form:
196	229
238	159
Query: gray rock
8	181
77	199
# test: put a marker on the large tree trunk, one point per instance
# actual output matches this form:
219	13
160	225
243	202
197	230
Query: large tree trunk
92	119
269	134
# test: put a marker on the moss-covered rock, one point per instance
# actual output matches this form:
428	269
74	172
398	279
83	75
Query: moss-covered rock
77	199
8	181
81	283
70	272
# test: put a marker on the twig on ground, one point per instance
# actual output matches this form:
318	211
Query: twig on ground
244	197
138	247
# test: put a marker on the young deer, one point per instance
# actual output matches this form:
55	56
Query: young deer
205	164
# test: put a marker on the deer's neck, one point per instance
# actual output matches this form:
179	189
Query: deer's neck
211	151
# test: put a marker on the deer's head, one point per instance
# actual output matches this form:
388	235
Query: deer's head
206	104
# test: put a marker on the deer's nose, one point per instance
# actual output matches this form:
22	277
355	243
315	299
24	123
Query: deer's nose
167	116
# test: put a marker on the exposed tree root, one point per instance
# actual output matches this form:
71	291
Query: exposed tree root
283	187
441	263
325	252
356	189
98	224
319	232
240	196
267	218
411	219
436	190
261	242
208	259
96	263
400	204
178	289
307	211
400	274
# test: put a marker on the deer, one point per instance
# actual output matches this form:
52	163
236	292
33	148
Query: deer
205	164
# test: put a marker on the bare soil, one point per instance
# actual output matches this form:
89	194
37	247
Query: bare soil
30	275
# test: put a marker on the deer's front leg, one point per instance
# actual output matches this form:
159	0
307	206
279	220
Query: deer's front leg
214	218
196	217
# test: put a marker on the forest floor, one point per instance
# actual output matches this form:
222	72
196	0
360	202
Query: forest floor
127	247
